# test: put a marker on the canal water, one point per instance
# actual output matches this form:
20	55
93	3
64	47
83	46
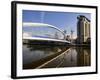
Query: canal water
46	56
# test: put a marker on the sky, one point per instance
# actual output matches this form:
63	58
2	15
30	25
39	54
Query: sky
63	20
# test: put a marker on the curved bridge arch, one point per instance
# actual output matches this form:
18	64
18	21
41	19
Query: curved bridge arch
42	25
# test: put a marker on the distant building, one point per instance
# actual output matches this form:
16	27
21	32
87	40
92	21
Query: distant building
83	29
68	38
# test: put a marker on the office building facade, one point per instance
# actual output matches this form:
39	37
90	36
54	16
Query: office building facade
83	29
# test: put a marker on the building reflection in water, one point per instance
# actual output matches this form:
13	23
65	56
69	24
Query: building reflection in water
83	56
37	55
74	57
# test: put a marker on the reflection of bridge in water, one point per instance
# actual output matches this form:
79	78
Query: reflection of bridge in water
45	56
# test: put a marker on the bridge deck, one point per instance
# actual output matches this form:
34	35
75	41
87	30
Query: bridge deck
45	39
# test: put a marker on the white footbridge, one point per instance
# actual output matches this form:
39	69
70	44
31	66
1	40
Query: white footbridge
29	24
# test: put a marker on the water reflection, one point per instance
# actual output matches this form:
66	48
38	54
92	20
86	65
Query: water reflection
83	56
33	53
74	57
58	56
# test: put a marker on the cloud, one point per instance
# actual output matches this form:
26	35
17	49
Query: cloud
74	36
27	34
